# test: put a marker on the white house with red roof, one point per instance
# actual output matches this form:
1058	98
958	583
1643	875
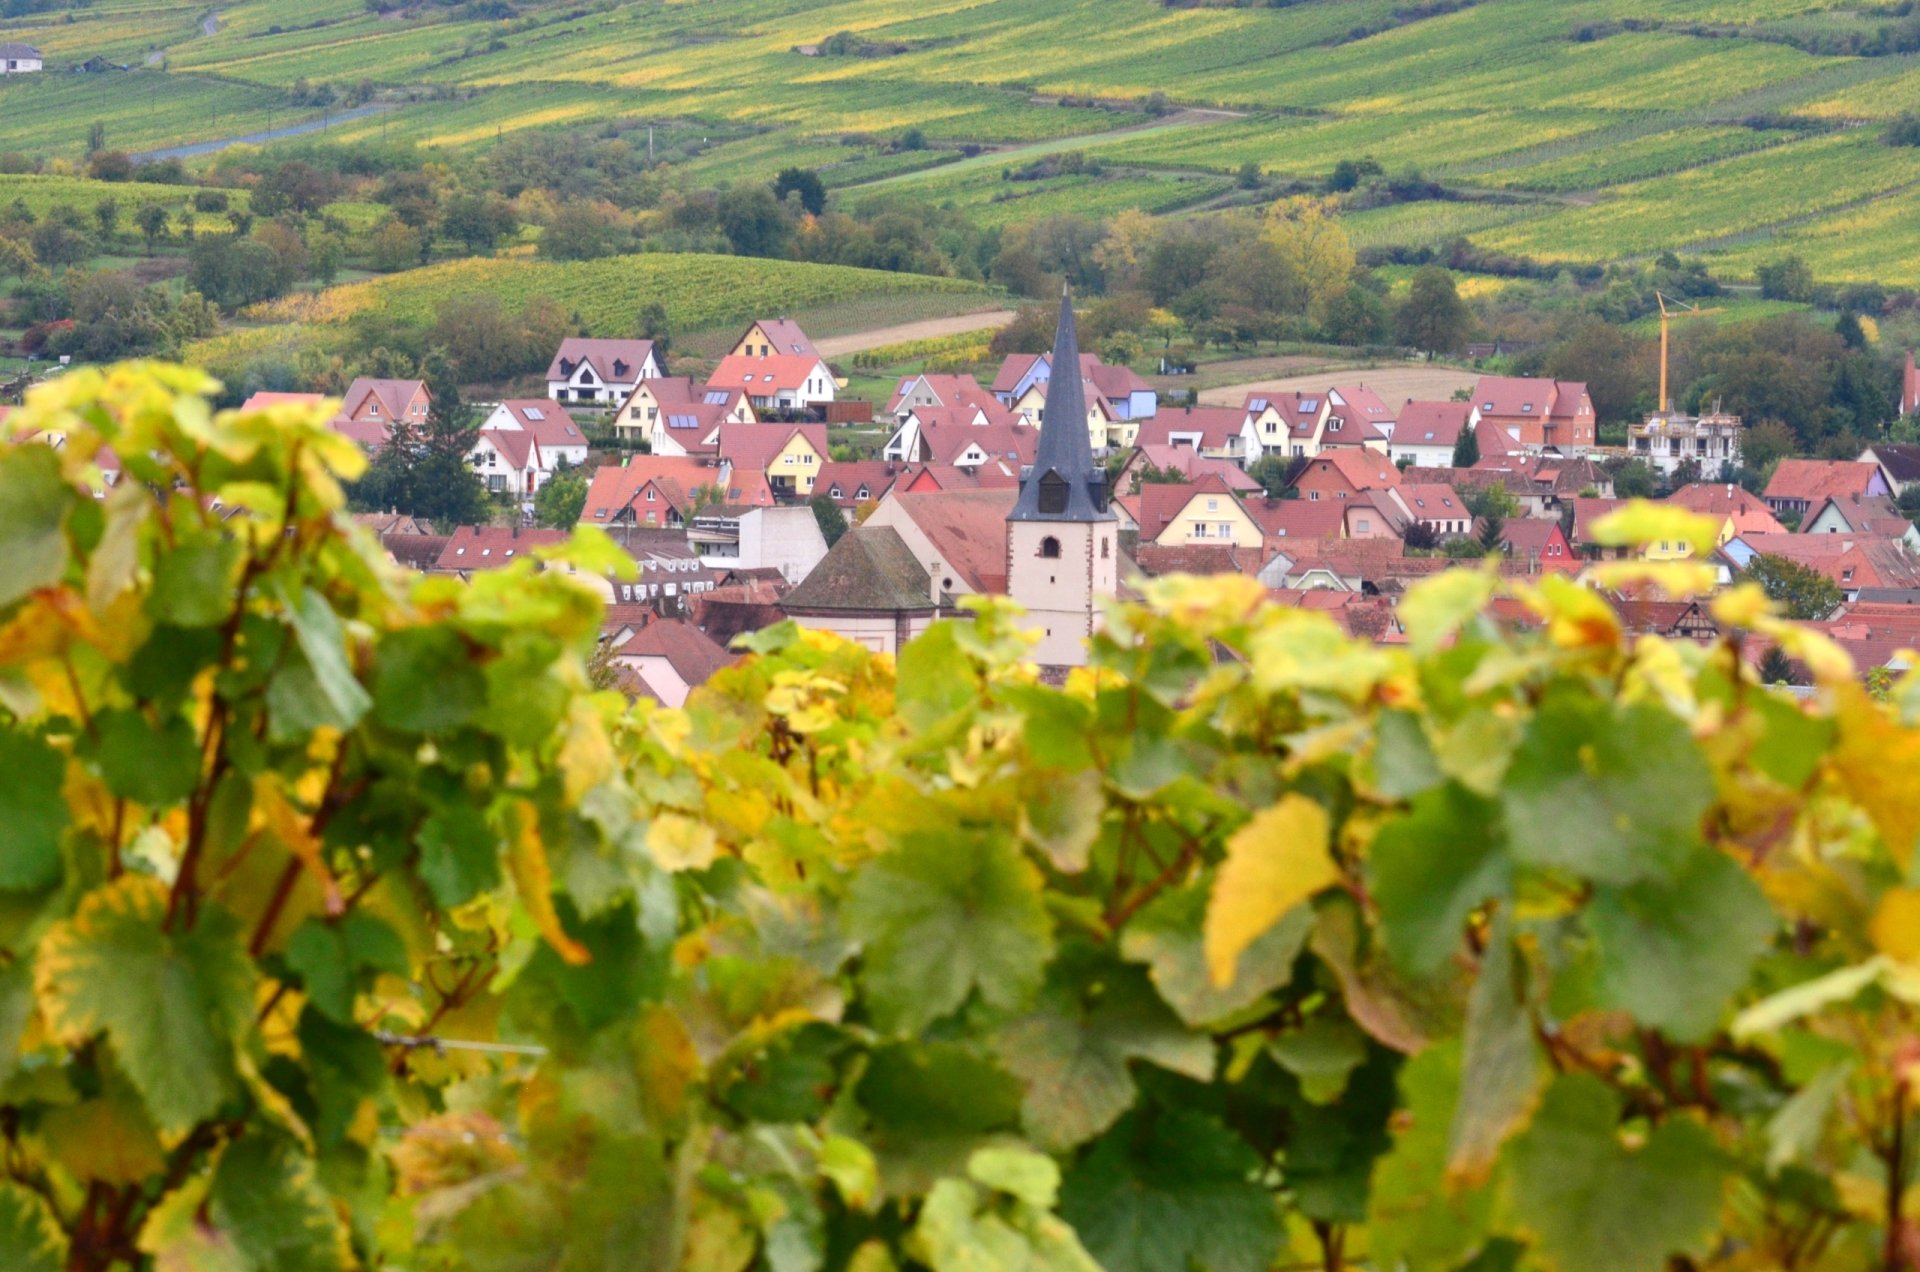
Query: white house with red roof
507	461
601	372
561	440
1285	425
942	392
1129	396
1213	431
1354	415
1427	432
776	382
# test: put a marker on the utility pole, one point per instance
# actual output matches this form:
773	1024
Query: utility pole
649	145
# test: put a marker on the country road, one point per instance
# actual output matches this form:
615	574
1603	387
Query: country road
929	329
257	138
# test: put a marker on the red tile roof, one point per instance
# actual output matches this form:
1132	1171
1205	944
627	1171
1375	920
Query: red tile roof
764	377
785	336
546	420
690	652
613	488
261	401
1297	518
751	447
969	528
1361	469
1216	425
1431	423
493	547
1815	480
517	448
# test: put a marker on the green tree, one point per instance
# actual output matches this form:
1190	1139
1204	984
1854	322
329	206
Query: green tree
106	214
560	501
804	184
1788	278
833	522
1433	318
1466	449
653	323
1634	479
151	220
754	221
1357	316
1802	591
479	221
96	137
1274	473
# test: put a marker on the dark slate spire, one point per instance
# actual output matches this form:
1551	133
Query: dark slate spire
1064	483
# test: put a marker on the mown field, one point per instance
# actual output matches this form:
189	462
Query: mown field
1702	129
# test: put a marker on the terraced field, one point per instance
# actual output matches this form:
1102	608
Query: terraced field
1665	136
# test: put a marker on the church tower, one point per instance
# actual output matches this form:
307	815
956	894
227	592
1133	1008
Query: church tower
1063	541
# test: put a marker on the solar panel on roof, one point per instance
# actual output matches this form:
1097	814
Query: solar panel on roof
535	413
1309	404
683	421
718	397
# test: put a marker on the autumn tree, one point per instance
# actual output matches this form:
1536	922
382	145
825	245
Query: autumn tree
1433	318
1316	248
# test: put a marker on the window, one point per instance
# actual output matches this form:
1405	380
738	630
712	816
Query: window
1313	496
1199	529
1053	496
651	496
1106	546
1362	525
1050	547
1213	505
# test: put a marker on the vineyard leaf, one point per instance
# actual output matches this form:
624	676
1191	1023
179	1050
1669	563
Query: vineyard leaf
317	629
1430	869
1594	1206
30	1239
1790	1004
1501	1071
170	1003
956	1233
1613	795
940	918
1434	609
1063	820
425	681
34	501
1073	1053
790	1078
1167	936
1030	1176
1416	1218
1404	764
32	813
1274	862
1672	953
939	1087
149	765
193	585
1172	1190
1795	1130
266	1199
459	855
1321	1054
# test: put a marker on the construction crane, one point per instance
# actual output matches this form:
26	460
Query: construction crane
1679	306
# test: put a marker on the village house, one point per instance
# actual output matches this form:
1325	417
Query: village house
1738	510
1022	379
1798	486
1899	462
1667	440
1183	460
1355	416
1862	516
1212	431
372	409
961	437
772	338
788	455
1536	413
659	491
785	538
600	372
1426	433
265	400
671	657
960	536
19	59
942	392
562	443
507	462
1206	513
776	381
1434	505
1342	472
1285	425
1540	546
677	415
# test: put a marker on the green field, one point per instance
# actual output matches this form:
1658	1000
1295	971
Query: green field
1649	138
700	293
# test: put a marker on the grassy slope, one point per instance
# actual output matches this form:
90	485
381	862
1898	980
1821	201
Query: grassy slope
1625	144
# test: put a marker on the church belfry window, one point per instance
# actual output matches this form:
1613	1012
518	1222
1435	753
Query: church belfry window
1053	493
1050	548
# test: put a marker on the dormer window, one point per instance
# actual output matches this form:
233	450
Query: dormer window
1053	495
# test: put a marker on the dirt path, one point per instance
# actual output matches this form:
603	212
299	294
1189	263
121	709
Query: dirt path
1006	155
929	329
1395	383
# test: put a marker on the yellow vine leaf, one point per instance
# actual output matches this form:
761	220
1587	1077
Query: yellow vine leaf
1896	925
533	877
293	829
1875	759
1274	862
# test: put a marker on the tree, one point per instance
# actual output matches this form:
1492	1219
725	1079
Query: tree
1466	448
1311	241
151	220
804	184
96	138
396	246
1274	473
833	522
579	231
333	895
561	500
1787	278
1250	176
1433	318
654	324
1357	316
234	273
1634	479
1802	591
753	221
1493	532
1775	667
106	214
479	221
